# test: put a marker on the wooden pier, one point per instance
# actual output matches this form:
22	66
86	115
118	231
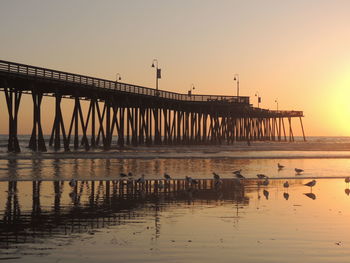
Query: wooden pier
134	115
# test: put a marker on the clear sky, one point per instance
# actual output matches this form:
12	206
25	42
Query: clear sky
297	52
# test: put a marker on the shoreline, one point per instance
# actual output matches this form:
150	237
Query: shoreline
258	150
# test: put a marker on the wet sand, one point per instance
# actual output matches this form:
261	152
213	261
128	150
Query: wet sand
251	223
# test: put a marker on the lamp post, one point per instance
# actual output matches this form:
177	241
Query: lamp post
190	90
259	98
117	77
276	103
236	78
158	74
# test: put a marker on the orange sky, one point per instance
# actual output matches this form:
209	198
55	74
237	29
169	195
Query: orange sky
294	51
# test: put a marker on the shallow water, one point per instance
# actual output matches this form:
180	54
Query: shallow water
105	219
98	222
100	169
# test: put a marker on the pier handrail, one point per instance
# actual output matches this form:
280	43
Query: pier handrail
39	72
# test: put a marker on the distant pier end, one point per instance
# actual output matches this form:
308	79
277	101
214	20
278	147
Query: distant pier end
132	115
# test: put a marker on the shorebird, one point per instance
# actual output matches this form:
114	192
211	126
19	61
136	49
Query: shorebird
141	180
237	172
188	179
347	180
130	174
280	166
216	176
72	183
311	184
167	177
122	175
261	176
286	184
298	171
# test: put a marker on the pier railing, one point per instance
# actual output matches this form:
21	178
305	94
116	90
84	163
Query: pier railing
55	75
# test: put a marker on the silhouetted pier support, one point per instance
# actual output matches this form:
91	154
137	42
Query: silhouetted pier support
37	142
13	99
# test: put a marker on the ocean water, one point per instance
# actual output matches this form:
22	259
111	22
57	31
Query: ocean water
101	217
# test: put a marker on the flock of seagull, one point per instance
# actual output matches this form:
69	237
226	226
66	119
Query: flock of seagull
217	179
298	171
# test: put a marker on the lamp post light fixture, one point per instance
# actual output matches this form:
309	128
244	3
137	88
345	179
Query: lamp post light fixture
236	78
259	98
276	103
158	74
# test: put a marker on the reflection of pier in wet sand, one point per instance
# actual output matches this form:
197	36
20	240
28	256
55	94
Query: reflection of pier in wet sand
89	205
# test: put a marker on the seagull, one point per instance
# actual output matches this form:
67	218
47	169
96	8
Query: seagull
286	184
311	183
189	179
122	175
141	180
261	176
237	172
72	183
216	176
280	166
167	177
347	180
298	171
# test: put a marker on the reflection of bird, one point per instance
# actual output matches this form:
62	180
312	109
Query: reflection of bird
347	191
237	172
286	184
266	194
72	183
217	184
298	171
167	177
239	176
261	176
141	180
311	183
188	179
311	195
266	182
191	181
160	185
286	196
280	166
122	175
216	176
